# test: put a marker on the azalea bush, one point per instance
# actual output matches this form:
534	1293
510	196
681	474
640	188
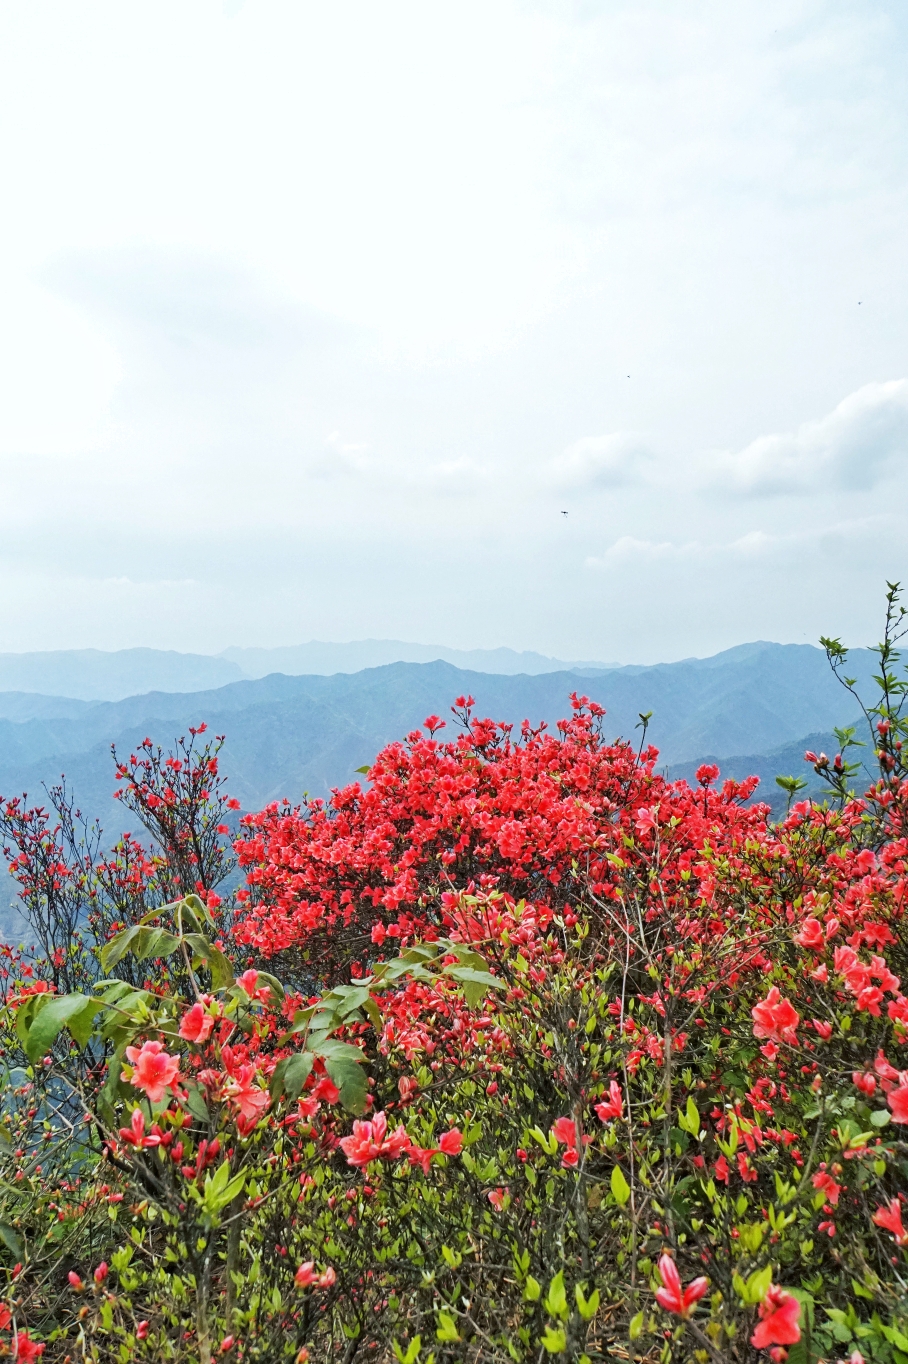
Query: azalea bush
516	1051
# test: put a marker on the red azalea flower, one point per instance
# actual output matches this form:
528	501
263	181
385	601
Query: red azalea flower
154	1069
811	934
197	1024
823	1180
672	1296
890	1218
778	1325
28	1349
898	1102
134	1134
564	1130
775	1018
613	1107
370	1141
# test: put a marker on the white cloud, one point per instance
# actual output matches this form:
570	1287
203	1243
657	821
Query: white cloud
455	241
862	441
611	461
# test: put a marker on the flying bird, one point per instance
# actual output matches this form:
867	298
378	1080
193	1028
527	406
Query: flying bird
564	513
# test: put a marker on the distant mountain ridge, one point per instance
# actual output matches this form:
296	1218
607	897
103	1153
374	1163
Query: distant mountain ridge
321	658
113	675
286	734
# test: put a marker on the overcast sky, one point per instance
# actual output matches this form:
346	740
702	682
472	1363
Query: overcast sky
316	318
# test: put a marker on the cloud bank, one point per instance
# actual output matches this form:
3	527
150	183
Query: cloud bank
326	341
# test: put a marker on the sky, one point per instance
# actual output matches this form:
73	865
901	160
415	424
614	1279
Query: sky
315	320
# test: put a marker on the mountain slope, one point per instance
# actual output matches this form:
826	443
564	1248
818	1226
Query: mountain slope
289	734
321	657
98	674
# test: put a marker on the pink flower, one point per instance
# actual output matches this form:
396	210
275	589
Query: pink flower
154	1069
75	1281
248	982
613	1107
646	821
370	1141
672	1296
250	1101
864	1081
197	1024
101	1272
451	1143
134	1134
821	1028
421	1156
142	1330
898	1102
306	1276
811	934
890	1217
888	1074
497	1197
778	1324
775	1018
845	959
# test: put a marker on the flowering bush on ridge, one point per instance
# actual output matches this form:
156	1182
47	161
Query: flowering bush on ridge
519	1052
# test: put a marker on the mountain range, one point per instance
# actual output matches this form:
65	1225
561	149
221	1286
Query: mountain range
753	708
102	675
288	734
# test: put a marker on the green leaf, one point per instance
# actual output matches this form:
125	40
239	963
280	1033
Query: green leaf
44	1031
338	1051
533	1289
114	950
621	1190
365	771
291	1074
11	1240
195	1102
153	942
447	1329
350	1079
689	1120
412	1353
274	985
880	1117
556	1303
82	1023
554	1341
635	1330
756	1287
475	984
587	1307
214	959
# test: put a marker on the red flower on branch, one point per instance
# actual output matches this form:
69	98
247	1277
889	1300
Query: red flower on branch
778	1324
154	1069
672	1295
775	1018
890	1219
